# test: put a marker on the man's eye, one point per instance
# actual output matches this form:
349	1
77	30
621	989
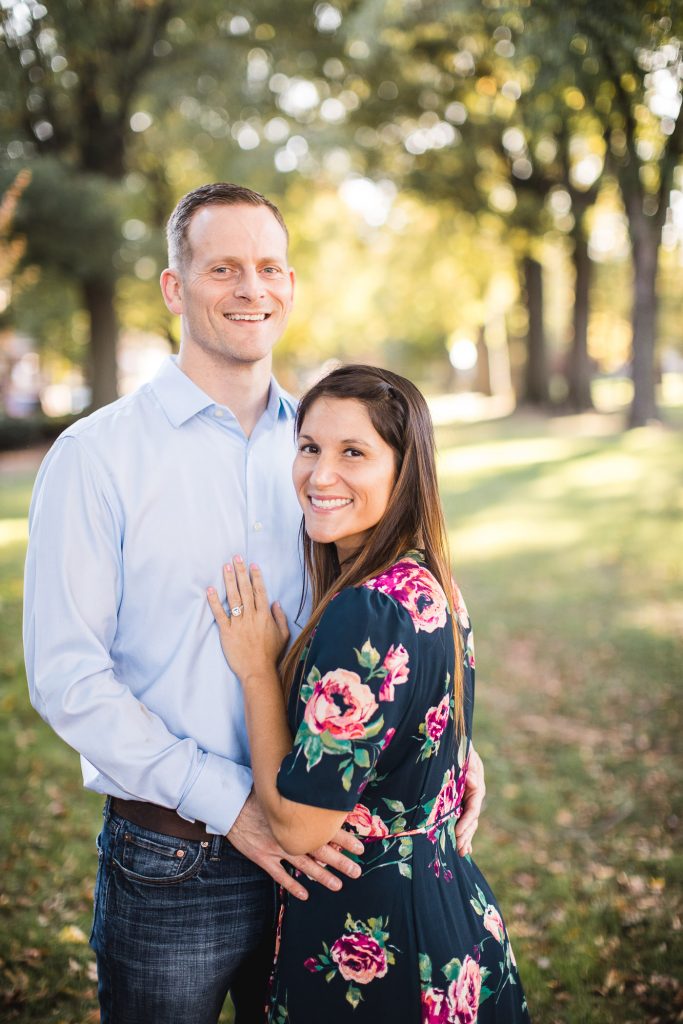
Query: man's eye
271	270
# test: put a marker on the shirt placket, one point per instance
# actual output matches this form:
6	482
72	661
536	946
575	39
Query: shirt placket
255	524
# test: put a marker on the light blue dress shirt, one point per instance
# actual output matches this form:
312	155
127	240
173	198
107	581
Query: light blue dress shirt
134	512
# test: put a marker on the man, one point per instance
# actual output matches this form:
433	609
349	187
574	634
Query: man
135	510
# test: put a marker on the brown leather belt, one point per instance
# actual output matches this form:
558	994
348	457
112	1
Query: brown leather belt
158	819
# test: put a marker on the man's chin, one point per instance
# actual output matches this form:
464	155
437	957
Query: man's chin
243	355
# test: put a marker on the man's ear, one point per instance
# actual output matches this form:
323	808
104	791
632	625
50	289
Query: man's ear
172	290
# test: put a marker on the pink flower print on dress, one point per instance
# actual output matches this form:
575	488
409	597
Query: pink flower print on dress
434	1006
463	994
459	606
436	719
415	588
493	923
360	958
444	804
365	823
462	781
396	664
388	737
323	712
469	649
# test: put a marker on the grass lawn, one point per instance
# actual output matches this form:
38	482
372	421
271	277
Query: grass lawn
568	546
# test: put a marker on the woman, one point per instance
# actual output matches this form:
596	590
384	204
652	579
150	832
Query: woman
380	695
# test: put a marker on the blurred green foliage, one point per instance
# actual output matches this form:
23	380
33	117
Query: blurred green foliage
524	130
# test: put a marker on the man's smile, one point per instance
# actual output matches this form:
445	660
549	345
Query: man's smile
247	316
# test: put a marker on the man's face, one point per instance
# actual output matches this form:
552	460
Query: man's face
235	290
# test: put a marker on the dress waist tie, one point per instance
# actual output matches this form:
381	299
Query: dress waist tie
422	830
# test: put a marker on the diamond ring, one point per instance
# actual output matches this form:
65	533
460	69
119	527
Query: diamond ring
237	610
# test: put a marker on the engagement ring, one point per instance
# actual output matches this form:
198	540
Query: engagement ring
237	610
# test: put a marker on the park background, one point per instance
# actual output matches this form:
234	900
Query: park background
487	197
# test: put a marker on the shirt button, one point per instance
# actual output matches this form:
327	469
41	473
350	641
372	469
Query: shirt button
258	526
218	413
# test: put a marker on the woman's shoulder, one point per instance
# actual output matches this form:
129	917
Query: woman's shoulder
410	584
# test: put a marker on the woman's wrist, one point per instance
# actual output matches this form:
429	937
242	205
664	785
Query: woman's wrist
260	676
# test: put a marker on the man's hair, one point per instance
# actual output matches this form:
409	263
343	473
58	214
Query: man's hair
221	193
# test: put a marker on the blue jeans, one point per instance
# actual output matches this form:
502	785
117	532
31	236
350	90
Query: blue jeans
177	925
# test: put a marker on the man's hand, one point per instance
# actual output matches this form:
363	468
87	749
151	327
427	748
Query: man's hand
473	798
251	835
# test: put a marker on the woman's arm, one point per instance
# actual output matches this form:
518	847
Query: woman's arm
252	640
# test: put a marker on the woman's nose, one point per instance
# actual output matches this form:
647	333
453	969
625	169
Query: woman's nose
323	473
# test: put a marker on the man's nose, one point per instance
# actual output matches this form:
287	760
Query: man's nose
249	285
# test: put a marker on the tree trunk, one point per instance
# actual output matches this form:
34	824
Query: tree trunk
482	381
98	297
578	365
536	389
645	235
495	335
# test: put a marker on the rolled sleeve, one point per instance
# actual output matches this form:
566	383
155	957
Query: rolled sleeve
217	794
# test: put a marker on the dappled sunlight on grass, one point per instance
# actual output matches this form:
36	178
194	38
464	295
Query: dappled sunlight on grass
13	531
482	541
654	617
462	462
603	473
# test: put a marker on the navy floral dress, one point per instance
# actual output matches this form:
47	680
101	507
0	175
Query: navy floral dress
419	936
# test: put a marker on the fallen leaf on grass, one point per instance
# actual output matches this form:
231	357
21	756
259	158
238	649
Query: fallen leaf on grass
71	933
665	982
30	955
614	982
25	738
15	986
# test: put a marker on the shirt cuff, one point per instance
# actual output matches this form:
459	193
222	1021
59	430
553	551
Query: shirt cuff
217	794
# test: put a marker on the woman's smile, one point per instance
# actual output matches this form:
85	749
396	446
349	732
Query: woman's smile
321	504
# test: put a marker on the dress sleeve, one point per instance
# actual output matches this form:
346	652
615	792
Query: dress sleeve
353	695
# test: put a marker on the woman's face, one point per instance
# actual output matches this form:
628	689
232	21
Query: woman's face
344	473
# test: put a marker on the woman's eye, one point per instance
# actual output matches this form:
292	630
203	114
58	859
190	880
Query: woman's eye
353	452
308	449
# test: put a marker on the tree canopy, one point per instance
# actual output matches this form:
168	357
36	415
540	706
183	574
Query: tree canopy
434	158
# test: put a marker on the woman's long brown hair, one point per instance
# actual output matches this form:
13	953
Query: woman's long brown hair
413	518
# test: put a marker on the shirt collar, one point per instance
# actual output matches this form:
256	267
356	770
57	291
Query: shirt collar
280	402
181	398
